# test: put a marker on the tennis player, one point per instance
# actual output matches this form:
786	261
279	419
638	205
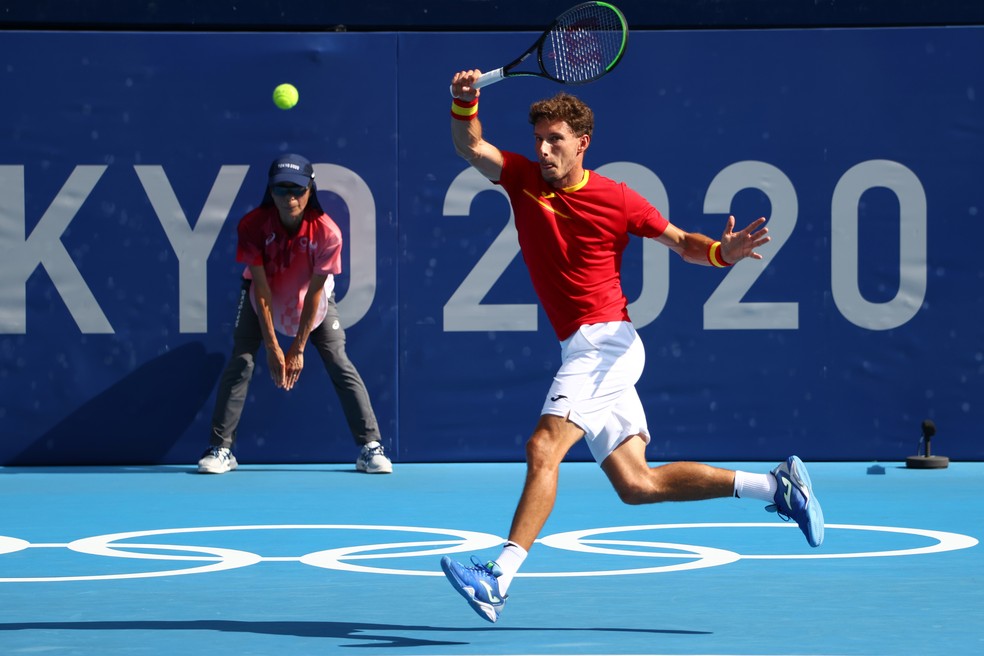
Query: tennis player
573	226
292	251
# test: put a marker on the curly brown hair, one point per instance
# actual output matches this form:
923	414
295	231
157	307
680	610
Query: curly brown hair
564	107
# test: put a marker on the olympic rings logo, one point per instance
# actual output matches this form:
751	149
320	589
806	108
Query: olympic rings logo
356	558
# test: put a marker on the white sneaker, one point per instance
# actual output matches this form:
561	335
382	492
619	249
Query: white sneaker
217	460
372	460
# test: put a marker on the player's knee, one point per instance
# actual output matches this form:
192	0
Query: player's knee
541	451
536	451
631	495
636	492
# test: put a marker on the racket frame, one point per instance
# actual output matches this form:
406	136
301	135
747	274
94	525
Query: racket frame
499	74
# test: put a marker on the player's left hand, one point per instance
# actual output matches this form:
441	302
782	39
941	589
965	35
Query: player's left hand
293	364
737	246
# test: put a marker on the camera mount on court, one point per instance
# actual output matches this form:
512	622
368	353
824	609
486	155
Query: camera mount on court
927	460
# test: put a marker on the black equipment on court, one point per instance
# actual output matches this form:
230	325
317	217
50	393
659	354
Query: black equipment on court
927	460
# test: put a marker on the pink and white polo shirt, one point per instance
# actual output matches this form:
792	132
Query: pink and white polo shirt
290	260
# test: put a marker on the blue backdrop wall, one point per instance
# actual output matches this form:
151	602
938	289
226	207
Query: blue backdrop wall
128	159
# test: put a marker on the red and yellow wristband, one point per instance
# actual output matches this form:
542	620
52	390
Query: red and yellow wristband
714	255
464	110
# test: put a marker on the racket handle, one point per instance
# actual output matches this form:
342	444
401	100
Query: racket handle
485	79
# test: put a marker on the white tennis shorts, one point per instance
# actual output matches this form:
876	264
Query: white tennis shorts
595	385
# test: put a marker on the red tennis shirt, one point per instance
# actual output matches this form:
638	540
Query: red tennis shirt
572	241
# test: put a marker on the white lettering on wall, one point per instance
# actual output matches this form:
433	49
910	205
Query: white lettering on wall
192	246
21	254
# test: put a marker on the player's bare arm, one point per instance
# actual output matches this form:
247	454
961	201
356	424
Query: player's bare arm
467	135
294	360
264	303
735	246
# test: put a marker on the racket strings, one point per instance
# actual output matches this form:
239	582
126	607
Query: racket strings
584	45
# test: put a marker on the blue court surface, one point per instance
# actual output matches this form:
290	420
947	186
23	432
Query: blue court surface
317	559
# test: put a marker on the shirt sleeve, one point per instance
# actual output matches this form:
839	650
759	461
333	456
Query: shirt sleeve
249	248
644	219
328	258
512	169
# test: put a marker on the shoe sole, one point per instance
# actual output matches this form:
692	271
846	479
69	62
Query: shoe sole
484	610
799	474
215	470
378	470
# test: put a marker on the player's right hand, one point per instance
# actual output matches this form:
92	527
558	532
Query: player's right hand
278	367
461	85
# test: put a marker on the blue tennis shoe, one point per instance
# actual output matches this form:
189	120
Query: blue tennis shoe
479	585
795	499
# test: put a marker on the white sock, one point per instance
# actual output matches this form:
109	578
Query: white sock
755	486
509	561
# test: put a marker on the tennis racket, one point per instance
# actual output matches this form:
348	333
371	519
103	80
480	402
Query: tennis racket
581	45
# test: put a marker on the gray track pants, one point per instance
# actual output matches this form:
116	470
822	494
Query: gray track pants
328	339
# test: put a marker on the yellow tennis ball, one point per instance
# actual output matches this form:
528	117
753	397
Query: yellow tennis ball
285	96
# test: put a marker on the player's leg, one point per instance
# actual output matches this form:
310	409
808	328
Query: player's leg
637	483
787	489
545	450
582	393
599	362
329	340
485	586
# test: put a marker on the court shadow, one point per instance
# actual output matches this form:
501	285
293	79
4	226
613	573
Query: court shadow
97	469
138	419
306	468
364	634
188	469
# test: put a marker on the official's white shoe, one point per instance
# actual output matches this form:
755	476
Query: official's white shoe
217	460
373	460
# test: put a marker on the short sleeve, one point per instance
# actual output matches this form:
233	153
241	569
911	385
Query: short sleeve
644	219
512	169
328	254
249	248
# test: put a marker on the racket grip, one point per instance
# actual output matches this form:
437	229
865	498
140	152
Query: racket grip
485	79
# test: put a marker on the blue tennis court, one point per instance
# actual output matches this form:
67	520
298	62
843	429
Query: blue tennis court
317	559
